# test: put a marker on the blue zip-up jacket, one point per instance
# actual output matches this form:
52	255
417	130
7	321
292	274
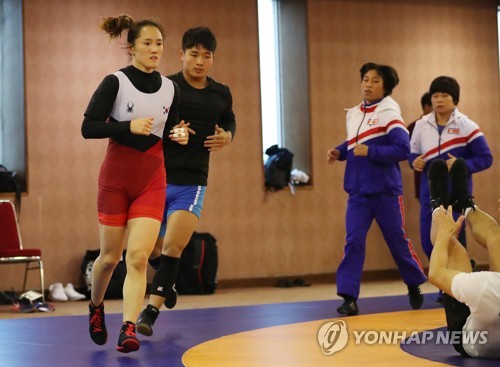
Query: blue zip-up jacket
380	127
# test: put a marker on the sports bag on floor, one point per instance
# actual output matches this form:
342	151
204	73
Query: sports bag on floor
115	287
198	266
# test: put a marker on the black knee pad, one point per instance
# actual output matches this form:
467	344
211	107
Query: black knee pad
165	276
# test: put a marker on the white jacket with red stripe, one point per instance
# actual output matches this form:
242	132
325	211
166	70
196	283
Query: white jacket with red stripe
461	137
380	127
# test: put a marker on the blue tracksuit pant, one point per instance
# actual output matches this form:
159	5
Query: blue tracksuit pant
388	212
425	227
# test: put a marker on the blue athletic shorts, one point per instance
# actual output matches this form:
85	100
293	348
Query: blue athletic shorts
189	198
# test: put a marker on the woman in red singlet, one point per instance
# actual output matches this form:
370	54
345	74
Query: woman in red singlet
136	108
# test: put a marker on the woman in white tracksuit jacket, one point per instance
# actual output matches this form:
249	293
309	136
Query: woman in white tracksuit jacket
377	141
447	134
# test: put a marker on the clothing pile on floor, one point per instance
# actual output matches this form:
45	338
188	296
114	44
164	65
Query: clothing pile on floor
31	301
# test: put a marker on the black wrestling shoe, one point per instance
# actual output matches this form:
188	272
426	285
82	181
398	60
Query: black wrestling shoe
127	340
97	324
171	298
461	199
146	320
438	183
348	308
416	297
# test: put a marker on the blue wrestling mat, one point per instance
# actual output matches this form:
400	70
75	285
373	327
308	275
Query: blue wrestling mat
64	341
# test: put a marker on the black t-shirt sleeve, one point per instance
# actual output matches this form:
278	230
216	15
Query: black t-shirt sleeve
227	118
173	114
96	122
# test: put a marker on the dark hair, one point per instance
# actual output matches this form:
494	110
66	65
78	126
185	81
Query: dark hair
426	100
199	36
388	73
446	84
115	25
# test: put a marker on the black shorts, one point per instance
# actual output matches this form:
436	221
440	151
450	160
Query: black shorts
457	314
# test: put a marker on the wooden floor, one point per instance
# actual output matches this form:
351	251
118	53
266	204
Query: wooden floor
295	345
237	297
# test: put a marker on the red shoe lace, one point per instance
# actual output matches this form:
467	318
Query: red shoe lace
130	330
96	320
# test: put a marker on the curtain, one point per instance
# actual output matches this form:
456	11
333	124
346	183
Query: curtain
12	113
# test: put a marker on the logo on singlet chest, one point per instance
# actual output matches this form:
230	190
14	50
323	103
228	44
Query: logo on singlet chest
130	107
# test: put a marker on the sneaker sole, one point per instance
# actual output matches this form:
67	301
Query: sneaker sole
129	345
417	304
144	329
171	299
169	303
459	185
437	179
100	342
348	314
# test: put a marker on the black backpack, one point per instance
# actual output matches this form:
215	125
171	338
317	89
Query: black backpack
277	168
115	286
8	183
198	265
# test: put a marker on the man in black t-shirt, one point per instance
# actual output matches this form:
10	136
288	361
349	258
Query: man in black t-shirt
206	106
